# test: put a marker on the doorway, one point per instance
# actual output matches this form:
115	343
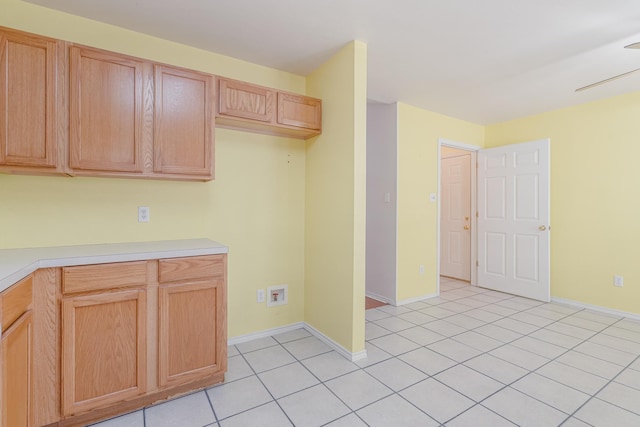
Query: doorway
510	217
457	219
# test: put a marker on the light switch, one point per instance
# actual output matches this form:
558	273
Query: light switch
433	197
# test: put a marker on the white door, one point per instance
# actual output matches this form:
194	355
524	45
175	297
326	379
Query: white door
513	219
455	234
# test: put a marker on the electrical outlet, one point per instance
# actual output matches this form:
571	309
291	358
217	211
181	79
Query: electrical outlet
143	213
260	295
618	281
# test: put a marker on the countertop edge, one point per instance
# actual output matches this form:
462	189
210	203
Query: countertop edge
16	264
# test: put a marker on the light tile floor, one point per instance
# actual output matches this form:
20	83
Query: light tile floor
471	357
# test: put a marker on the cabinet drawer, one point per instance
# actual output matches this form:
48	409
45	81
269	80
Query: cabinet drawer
190	268
16	301
104	276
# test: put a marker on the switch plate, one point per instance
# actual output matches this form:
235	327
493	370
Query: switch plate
143	213
387	197
260	295
421	269
618	281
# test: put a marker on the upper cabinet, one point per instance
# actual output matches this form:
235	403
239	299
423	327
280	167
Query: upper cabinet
69	109
299	111
31	113
107	105
135	118
254	108
183	123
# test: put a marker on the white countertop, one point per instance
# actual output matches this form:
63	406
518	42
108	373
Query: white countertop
16	264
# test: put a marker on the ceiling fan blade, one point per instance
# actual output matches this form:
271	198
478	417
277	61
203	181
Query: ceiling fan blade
580	89
635	45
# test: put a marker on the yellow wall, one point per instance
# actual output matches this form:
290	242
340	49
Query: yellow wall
418	133
255	205
335	200
595	203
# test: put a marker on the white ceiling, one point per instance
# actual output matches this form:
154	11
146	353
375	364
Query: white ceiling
484	61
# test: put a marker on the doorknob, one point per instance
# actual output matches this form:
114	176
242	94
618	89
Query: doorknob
466	227
542	228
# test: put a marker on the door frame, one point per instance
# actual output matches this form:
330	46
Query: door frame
473	150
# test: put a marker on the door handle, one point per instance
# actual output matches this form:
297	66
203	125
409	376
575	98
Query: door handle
542	228
466	227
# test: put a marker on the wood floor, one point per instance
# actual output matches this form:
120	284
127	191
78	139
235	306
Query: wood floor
372	303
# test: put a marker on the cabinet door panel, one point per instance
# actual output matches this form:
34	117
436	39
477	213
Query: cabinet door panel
183	135
16	373
191	319
106	104
238	99
27	100
299	111
104	348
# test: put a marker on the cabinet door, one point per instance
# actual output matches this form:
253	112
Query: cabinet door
299	111
192	331
17	363
183	122
28	96
107	107
244	100
103	349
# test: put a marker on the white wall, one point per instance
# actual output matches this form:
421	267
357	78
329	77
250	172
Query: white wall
382	144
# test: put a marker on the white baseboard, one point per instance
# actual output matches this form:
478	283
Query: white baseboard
416	299
300	325
265	333
380	298
634	316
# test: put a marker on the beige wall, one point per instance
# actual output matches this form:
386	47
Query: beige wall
418	134
335	200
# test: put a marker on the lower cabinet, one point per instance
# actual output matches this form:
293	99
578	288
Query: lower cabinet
83	343
103	349
188	323
192	319
16	356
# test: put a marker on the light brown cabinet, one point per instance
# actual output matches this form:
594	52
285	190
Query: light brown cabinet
103	335
16	355
134	118
31	113
192	319
103	349
132	333
244	106
183	123
107	105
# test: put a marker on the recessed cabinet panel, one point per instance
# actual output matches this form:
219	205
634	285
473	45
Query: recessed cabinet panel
104	349
238	99
189	332
299	111
28	95
183	135
106	111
